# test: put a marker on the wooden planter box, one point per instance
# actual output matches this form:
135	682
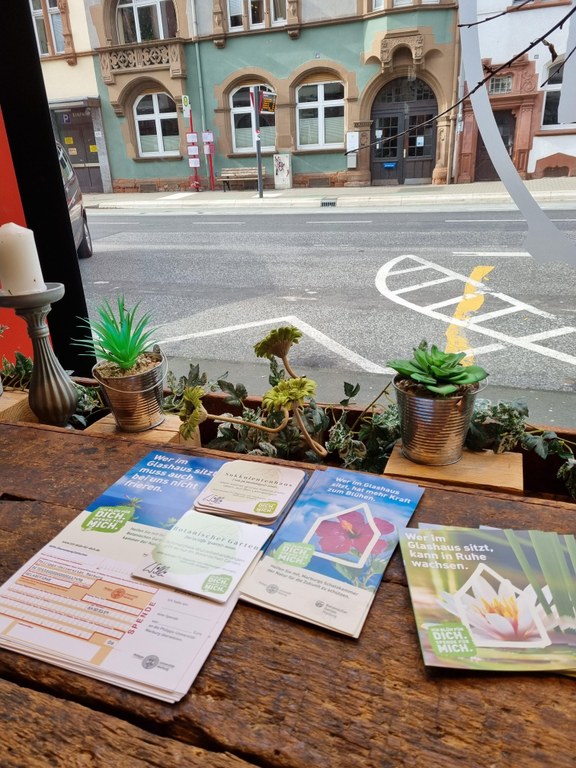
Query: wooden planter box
538	475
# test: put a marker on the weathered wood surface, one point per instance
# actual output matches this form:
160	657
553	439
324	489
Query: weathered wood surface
38	730
276	692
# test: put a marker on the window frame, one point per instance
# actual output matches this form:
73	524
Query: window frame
47	14
550	88
248	110
157	116
243	11
134	6
320	105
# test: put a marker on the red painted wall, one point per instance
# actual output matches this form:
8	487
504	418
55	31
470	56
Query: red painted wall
15	338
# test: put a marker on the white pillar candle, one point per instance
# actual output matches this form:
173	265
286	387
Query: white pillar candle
19	264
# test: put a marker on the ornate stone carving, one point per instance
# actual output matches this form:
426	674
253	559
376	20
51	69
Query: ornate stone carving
528	82
218	18
414	41
119	60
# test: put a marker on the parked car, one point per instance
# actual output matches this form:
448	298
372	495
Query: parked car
78	219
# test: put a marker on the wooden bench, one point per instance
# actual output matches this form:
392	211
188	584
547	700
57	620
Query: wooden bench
238	175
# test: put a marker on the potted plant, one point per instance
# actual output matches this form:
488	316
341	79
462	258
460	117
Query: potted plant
288	413
130	373
435	393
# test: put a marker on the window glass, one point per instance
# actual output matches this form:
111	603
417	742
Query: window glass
256	13
156	121
57	33
278	11
500	84
148	22
320	111
235	13
552	98
242	126
50	38
259	13
142	20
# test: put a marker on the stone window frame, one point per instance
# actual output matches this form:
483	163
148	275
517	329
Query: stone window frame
48	11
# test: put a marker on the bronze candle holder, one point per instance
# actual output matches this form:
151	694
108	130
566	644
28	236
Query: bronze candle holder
52	395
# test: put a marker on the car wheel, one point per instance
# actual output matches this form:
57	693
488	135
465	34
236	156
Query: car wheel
85	247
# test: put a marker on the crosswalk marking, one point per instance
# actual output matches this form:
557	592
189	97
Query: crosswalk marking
403	265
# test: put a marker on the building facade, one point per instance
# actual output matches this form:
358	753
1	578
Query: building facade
362	90
67	59
370	75
524	93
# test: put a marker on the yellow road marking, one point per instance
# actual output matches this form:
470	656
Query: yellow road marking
471	302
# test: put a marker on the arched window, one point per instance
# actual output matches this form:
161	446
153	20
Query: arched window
242	122
156	122
552	86
320	108
141	20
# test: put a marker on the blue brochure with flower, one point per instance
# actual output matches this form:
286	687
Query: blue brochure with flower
328	557
492	599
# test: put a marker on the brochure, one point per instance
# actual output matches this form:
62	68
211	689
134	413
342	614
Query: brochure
204	554
248	490
76	604
492	599
326	561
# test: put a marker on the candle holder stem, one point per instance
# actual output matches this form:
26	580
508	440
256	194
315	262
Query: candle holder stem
52	395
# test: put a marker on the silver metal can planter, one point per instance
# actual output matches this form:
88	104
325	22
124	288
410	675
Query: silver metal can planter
433	429
135	401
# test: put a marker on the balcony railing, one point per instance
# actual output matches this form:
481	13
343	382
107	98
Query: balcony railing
142	57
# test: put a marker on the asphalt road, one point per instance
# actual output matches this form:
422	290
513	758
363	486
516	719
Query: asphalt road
364	287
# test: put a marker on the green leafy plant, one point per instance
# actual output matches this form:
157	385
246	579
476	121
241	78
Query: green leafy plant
441	373
364	442
289	400
503	427
90	406
118	337
17	375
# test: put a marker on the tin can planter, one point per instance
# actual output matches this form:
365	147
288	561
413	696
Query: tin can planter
135	400
433	429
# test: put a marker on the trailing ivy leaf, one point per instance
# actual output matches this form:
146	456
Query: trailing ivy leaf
236	394
537	444
350	390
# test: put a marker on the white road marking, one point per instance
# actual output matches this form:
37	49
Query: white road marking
473	323
341	221
178	195
490	254
316	335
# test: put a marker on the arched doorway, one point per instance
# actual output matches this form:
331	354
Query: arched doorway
403	104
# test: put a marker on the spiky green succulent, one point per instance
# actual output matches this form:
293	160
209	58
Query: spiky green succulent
117	336
287	392
439	372
278	342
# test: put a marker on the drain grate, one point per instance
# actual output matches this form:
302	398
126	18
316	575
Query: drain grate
328	202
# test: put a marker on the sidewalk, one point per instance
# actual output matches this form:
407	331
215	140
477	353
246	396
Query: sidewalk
549	191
